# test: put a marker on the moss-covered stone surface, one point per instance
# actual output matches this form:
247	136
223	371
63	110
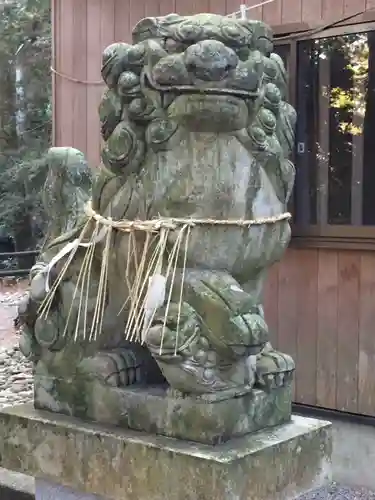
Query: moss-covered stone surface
277	464
157	410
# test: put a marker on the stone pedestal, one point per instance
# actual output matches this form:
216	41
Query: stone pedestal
276	464
205	419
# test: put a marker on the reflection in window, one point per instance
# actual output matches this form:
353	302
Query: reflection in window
336	115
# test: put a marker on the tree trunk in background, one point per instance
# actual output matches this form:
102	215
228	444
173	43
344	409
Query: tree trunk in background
25	119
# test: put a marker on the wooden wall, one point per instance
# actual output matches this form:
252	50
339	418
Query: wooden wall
320	307
83	28
320	304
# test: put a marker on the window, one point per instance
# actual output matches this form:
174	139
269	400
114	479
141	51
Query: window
334	199
283	50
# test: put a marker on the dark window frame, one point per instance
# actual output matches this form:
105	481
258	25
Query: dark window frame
325	236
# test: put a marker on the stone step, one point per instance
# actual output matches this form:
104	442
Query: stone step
14	486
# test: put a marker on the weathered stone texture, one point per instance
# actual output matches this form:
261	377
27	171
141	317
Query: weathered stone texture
196	133
276	464
157	410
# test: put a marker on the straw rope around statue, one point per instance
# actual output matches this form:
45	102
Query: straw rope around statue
153	268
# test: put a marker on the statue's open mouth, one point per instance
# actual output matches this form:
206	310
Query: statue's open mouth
201	89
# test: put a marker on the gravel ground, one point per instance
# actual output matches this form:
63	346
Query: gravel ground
10	295
15	370
16	384
337	492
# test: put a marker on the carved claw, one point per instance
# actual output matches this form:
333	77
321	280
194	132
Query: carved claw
274	369
122	367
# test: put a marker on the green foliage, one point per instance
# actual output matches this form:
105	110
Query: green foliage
350	103
25	116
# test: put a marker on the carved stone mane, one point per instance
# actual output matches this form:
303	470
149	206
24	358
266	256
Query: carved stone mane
174	61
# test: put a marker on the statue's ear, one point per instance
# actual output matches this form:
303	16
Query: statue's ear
154	27
145	28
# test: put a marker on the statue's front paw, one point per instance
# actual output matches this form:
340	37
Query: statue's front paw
122	367
273	369
28	345
39	330
42	279
27	311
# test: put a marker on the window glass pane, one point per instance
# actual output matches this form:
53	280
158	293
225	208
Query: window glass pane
336	111
283	50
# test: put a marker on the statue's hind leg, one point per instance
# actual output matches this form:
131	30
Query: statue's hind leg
67	355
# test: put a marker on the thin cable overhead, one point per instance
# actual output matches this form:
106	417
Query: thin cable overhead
242	12
244	9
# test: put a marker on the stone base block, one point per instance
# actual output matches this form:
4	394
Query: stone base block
208	419
276	464
156	410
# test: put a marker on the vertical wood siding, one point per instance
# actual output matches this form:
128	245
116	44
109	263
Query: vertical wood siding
83	28
325	318
319	303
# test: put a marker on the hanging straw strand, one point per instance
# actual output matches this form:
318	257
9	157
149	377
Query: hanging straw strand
182	288
146	283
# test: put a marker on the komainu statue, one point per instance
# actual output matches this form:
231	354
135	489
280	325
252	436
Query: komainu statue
148	312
